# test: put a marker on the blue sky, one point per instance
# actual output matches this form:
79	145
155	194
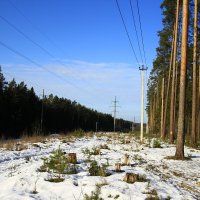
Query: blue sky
89	47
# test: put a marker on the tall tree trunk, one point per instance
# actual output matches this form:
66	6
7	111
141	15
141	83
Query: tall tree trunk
181	114
168	84
194	88
199	102
172	119
157	107
154	114
151	116
175	94
162	105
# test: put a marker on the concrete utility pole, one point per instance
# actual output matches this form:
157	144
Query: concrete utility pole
42	112
115	111
142	103
96	126
133	124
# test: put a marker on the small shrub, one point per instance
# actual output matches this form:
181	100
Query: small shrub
12	169
78	133
58	163
96	170
89	152
96	151
152	197
95	195
55	179
71	169
155	143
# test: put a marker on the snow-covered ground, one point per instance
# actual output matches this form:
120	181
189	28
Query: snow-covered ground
171	179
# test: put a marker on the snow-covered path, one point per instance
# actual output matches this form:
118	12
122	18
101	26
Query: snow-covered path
171	179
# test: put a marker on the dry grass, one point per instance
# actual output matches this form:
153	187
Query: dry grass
25	140
22	143
175	158
13	145
178	174
8	144
33	139
198	184
188	187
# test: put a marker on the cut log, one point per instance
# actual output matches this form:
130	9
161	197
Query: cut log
71	157
131	178
126	159
117	167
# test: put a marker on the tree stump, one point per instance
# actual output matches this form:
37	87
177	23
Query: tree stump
98	151
72	158
131	178
127	140
126	159
117	167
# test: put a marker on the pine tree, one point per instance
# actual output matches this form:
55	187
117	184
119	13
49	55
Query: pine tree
194	88
181	115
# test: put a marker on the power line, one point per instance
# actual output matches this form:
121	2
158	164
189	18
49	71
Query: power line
35	43
136	31
42	67
127	32
34	26
35	63
31	40
138	10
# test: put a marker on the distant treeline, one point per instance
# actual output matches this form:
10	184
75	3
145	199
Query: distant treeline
21	110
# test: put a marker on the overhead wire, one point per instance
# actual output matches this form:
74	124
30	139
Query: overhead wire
34	26
127	32
138	11
30	40
136	31
35	63
44	49
45	69
35	43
